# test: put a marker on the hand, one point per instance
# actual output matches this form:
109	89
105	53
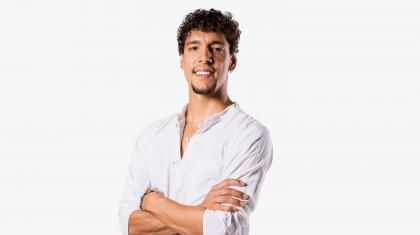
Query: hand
221	193
150	198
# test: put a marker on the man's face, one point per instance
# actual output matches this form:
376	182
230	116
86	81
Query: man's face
206	61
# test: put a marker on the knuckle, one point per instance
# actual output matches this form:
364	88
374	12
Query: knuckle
234	192
235	202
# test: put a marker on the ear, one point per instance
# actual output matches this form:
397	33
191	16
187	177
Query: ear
233	61
181	61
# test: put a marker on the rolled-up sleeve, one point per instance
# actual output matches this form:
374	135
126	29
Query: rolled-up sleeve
250	159
137	183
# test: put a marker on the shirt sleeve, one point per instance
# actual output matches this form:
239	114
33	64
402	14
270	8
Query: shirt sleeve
250	160
137	183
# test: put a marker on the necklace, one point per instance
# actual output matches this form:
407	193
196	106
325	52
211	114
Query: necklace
191	125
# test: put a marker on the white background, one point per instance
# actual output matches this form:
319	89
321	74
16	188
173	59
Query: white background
336	82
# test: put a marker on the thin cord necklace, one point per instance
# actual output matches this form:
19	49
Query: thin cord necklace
190	121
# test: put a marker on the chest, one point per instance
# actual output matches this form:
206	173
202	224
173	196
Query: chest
186	172
186	135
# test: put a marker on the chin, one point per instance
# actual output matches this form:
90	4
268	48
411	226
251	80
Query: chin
204	90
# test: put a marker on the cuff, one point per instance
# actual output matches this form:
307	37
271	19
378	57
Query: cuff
214	222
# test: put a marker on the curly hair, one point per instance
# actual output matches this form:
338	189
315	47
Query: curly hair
210	21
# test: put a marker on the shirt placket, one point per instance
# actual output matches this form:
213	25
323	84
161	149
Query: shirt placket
180	167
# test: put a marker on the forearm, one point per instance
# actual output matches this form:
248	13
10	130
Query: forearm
180	218
143	222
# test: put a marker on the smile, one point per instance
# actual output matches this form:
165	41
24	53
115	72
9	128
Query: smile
203	72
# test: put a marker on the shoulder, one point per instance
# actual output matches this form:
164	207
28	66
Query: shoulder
248	136
248	127
250	140
155	128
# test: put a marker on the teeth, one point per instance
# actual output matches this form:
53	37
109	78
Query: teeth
202	72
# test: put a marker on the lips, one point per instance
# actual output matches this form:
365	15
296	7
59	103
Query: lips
203	71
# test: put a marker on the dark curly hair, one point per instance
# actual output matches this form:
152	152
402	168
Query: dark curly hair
210	21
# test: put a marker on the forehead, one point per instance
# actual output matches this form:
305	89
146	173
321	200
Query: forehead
205	37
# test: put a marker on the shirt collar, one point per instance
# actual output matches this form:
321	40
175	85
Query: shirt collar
211	120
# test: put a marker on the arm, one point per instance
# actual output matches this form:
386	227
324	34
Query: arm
251	158
213	215
142	222
137	183
189	219
178	217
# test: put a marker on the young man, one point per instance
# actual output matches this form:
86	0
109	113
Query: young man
199	171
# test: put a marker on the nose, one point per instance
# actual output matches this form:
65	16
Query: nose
206	56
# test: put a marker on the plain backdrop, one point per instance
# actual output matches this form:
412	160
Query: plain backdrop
336	83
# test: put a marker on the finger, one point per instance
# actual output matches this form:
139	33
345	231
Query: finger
231	182
234	193
230	200
215	192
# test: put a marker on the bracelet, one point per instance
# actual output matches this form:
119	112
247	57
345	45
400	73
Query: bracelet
142	197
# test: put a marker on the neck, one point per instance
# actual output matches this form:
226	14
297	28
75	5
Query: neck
200	107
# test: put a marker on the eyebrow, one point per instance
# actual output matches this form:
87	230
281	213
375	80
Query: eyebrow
198	42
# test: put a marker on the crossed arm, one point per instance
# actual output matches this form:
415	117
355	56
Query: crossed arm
249	160
162	215
143	222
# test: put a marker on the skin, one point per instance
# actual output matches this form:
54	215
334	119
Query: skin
204	51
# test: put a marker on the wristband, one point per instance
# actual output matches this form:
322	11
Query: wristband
142	197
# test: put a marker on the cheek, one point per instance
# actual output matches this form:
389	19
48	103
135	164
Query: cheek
187	73
224	68
189	58
188	64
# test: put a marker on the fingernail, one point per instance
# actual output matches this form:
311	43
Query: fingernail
243	203
246	196
243	183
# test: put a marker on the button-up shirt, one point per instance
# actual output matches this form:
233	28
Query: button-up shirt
229	144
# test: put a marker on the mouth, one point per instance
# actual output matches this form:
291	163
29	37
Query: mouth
203	73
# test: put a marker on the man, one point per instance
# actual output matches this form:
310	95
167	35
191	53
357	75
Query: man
199	171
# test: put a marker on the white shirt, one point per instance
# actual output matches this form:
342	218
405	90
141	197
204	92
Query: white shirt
229	144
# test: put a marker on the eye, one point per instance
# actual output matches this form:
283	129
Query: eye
193	48
218	49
